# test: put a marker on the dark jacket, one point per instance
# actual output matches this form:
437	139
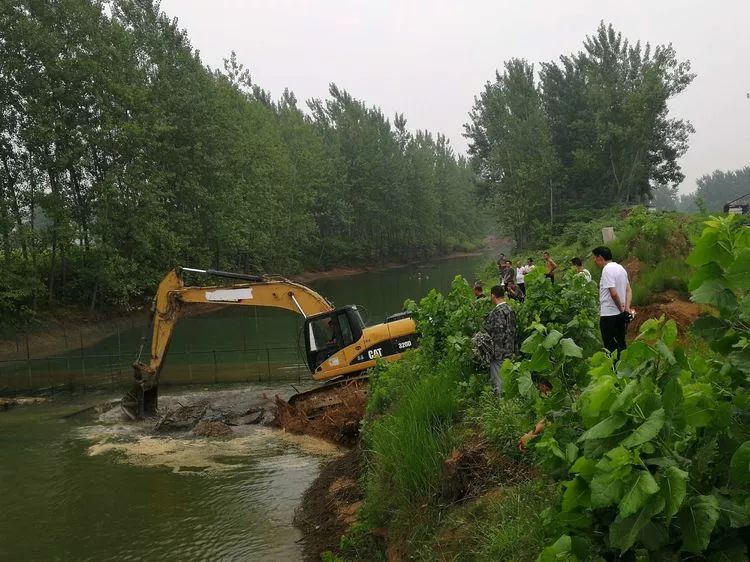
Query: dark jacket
500	324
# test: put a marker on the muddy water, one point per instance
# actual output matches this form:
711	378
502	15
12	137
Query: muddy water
94	488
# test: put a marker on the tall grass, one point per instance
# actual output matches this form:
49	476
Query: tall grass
670	273
407	447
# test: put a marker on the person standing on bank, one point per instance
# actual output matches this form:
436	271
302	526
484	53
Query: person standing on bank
500	324
614	300
580	270
550	267
478	290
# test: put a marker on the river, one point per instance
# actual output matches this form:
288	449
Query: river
83	488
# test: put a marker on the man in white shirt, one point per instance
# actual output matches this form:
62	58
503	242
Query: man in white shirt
614	300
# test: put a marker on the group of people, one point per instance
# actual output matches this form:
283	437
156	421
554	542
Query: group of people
500	324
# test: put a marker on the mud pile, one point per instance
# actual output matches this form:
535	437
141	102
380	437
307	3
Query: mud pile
673	306
338	422
330	505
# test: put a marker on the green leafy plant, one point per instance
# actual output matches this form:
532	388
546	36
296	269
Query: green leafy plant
660	465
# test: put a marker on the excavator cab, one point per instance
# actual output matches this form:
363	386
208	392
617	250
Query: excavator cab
329	332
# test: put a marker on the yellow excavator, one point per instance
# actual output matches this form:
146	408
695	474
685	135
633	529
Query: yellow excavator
338	345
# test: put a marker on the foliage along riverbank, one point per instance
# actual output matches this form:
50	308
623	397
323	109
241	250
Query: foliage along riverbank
646	459
123	155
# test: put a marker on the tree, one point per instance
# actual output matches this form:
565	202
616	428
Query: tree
718	188
511	151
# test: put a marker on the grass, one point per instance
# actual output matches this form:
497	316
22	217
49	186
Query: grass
504	524
670	273
406	447
502	422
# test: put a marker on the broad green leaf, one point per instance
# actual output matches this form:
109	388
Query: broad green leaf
625	398
530	344
698	404
571	452
577	493
584	467
647	430
624	531
710	327
703	273
649	329
738	274
570	349
697	520
740	360
597	398
539	362
715	293
526	385
669	333
737	515
551	340
745	307
665	352
560	551
673	484
709	249
642	485
653	536
612	471
740	464
604	428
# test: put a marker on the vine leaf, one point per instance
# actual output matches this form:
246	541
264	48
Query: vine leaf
570	349
673	484
624	531
605	428
646	431
642	487
740	463
697	520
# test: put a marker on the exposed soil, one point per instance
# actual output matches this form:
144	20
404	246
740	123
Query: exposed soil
633	267
672	305
477	466
330	505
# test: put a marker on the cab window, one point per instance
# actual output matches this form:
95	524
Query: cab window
346	330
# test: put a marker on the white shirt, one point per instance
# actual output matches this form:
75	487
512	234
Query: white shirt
520	274
586	274
613	276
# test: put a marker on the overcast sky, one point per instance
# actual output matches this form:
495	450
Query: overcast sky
429	59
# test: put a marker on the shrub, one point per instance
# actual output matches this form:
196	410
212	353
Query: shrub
662	468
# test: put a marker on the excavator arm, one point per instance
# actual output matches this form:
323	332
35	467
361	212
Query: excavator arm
173	297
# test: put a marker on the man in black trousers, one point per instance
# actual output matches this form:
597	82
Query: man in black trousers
614	300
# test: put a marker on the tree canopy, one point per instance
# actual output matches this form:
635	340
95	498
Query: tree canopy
123	155
588	131
716	189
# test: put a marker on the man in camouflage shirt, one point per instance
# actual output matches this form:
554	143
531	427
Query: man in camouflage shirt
500	324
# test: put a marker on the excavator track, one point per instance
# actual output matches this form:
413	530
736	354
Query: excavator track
315	402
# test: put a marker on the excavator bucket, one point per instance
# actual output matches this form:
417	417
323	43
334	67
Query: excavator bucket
143	398
138	403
